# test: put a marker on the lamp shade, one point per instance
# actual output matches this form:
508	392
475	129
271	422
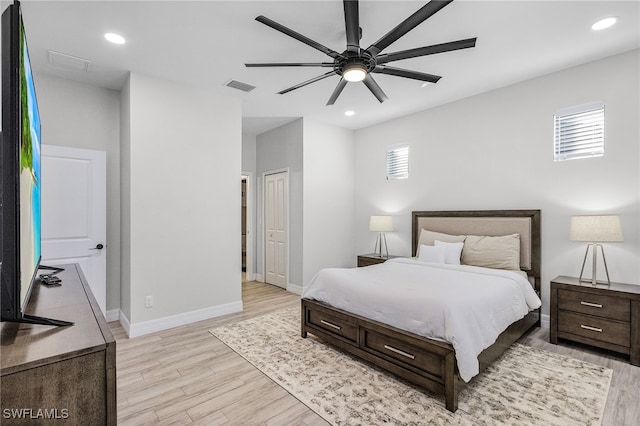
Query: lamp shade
596	229
381	223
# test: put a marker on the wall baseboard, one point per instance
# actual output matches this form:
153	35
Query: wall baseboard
294	288
113	315
159	324
545	321
259	278
124	322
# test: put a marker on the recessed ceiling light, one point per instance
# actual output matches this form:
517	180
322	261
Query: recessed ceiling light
604	23
114	38
349	113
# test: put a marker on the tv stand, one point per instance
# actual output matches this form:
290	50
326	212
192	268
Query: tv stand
69	371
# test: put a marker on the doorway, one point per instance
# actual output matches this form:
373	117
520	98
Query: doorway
276	225
74	213
246	225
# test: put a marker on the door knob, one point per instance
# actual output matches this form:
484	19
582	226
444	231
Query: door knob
97	247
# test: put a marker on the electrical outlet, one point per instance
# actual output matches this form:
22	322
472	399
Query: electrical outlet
148	301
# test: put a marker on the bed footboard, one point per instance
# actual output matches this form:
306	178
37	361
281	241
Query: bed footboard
425	362
428	363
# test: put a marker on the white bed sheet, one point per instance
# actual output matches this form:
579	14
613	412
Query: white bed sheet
466	306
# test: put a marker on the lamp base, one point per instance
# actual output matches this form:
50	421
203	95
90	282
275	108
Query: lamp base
593	281
377	250
598	282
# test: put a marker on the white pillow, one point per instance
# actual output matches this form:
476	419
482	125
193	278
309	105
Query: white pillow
428	237
433	254
453	251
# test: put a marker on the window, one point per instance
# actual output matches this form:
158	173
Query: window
398	162
579	132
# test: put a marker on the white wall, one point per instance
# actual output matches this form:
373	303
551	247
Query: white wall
278	149
81	116
328	198
495	151
125	200
184	148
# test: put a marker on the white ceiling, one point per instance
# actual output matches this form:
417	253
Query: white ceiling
206	43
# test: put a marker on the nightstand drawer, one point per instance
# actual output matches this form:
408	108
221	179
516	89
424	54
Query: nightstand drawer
595	304
609	331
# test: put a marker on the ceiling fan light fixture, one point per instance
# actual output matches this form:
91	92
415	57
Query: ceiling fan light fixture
354	72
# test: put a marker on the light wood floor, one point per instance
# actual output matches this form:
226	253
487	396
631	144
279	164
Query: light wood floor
187	376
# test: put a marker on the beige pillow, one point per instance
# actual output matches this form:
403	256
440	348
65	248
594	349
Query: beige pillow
501	252
428	238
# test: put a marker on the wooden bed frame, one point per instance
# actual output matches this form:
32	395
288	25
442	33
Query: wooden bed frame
429	363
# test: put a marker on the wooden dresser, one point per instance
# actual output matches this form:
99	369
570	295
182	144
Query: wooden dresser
59	375
604	316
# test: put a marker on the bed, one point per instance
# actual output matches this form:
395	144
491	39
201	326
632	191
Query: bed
429	362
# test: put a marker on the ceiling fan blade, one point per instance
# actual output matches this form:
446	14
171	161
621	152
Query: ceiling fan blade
407	25
313	80
352	25
375	89
290	64
399	72
291	33
336	92
427	50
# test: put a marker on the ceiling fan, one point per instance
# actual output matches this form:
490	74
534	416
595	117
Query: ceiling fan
356	64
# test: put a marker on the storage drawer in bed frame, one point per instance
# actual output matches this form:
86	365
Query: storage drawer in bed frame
427	363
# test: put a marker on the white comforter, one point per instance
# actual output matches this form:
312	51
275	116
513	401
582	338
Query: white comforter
466	306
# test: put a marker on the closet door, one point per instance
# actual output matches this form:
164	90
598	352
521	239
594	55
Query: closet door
276	240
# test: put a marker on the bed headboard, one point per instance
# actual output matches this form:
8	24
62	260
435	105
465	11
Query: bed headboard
487	222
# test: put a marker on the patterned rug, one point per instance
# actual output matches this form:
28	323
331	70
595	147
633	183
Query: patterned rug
526	386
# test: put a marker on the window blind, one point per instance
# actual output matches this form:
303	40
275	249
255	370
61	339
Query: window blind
579	132
398	162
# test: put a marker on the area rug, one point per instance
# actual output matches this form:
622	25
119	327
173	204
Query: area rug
526	386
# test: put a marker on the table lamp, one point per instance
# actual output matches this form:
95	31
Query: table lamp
596	230
381	224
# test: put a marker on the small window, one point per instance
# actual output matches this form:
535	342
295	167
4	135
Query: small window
579	132
398	162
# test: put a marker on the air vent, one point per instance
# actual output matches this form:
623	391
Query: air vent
240	85
58	59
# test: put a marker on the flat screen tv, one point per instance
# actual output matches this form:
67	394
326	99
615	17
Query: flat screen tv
21	174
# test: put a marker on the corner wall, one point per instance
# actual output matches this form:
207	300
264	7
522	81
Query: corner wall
328	198
278	149
495	151
182	212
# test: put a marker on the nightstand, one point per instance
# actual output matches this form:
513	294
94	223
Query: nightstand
604	316
372	259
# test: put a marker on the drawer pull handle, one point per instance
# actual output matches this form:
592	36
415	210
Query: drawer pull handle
593	305
586	327
337	327
398	351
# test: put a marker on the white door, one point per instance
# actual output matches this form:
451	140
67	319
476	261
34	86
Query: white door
74	210
276	207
